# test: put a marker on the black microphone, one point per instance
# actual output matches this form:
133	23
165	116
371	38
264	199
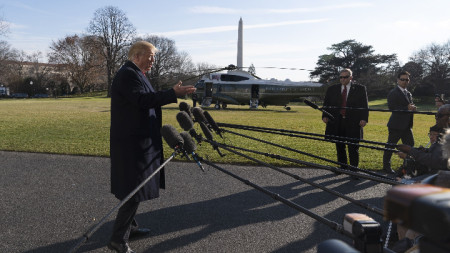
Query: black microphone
185	107
206	132
172	137
184	120
209	136
314	106
198	115
187	124
190	147
212	123
334	245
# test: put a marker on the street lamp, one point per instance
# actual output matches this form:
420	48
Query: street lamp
31	84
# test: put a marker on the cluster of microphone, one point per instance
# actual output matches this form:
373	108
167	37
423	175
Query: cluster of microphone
184	142
181	142
186	118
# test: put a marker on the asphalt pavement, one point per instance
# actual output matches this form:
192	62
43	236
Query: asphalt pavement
49	201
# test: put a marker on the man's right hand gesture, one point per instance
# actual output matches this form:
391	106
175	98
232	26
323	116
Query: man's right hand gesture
183	90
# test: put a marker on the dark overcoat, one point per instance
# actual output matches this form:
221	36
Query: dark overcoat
398	101
357	98
136	143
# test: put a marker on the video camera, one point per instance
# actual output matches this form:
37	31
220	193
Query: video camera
411	168
421	208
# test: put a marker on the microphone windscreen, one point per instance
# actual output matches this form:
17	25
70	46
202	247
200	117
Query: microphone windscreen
198	114
184	106
211	122
185	121
334	245
206	131
311	104
171	136
189	144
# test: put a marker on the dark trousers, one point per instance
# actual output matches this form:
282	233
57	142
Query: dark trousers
125	221
394	136
353	150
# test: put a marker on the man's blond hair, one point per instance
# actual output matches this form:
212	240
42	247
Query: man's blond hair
139	48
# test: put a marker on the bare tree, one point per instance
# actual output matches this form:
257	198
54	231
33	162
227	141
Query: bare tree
4	26
7	57
38	73
78	58
170	66
115	33
435	63
252	69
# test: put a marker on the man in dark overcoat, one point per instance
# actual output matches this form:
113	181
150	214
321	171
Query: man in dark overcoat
400	123
347	123
136	143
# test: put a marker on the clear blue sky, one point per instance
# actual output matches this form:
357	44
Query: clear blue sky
284	33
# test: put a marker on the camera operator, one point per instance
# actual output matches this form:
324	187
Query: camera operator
423	161
426	161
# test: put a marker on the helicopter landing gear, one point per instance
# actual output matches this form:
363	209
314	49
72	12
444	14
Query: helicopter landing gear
254	103
194	99
219	104
288	108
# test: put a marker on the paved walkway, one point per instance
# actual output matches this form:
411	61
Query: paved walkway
50	201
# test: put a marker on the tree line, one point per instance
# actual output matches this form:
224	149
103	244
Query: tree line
89	61
429	68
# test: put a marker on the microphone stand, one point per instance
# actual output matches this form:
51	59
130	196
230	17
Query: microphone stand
314	106
370	239
329	140
255	128
376	110
89	233
335	226
314	165
308	154
357	202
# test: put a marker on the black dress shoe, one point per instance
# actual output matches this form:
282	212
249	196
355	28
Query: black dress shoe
139	232
120	247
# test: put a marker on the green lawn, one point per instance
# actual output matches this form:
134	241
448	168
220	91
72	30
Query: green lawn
80	126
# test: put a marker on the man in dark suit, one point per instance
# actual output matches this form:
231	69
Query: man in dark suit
347	123
136	143
400	123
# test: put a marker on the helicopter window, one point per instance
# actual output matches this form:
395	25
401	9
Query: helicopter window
233	78
200	84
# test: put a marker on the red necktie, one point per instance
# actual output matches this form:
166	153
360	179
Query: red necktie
344	100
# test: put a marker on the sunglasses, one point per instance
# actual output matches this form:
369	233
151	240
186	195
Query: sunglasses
344	77
439	115
404	80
